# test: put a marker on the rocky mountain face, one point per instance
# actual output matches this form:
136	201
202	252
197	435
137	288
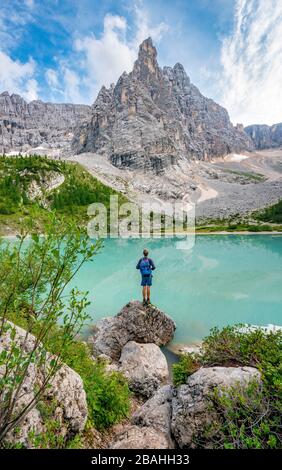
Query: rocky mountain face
153	117
24	125
264	136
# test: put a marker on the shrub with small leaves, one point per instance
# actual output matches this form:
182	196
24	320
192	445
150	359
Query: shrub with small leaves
248	417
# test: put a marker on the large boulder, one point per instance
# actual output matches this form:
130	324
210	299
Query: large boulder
135	322
135	437
65	395
191	412
156	413
145	367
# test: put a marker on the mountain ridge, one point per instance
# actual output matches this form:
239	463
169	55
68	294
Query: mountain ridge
149	119
26	125
265	136
153	116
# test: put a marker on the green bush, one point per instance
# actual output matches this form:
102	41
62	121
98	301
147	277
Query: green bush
187	365
107	393
271	214
246	417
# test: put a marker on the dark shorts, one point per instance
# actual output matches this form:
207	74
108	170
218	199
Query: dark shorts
146	280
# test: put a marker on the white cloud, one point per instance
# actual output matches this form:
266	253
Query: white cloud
252	63
72	86
64	83
145	29
52	78
30	92
104	59
17	77
29	3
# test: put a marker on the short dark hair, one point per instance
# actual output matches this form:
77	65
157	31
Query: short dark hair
145	252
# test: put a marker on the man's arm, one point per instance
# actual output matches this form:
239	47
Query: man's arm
138	264
152	264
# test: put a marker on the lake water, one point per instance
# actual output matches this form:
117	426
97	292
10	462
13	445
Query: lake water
222	280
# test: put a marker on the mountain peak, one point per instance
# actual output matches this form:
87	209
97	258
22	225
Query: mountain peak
146	45
146	65
155	117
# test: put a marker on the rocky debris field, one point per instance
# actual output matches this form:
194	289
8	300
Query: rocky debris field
220	188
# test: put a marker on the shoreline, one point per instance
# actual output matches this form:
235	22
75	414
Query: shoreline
242	232
195	346
181	234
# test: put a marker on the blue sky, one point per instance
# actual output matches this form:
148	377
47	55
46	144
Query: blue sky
64	50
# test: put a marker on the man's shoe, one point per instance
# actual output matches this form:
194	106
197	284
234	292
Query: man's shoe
144	302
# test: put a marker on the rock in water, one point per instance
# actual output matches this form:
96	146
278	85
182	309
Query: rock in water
145	367
264	136
133	323
154	116
66	392
190	406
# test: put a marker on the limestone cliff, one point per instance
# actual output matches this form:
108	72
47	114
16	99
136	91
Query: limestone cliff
154	116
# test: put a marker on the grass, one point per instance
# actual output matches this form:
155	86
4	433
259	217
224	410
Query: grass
251	176
251	223
239	227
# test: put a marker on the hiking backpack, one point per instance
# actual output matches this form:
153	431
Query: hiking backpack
145	267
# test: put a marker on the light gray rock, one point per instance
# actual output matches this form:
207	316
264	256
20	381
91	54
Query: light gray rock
153	117
133	323
156	412
135	437
45	182
190	407
66	391
145	367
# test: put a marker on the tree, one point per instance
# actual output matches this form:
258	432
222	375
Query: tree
34	273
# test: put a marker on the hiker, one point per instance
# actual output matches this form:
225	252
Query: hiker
146	266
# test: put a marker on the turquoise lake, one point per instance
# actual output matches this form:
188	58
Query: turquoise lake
223	279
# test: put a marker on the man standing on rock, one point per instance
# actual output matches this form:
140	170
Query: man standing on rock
146	266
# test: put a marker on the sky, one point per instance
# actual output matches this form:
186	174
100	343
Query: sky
65	50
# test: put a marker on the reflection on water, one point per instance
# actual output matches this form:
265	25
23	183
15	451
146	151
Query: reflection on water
222	280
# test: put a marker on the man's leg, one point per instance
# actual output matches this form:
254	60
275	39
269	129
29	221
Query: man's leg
144	292
148	295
